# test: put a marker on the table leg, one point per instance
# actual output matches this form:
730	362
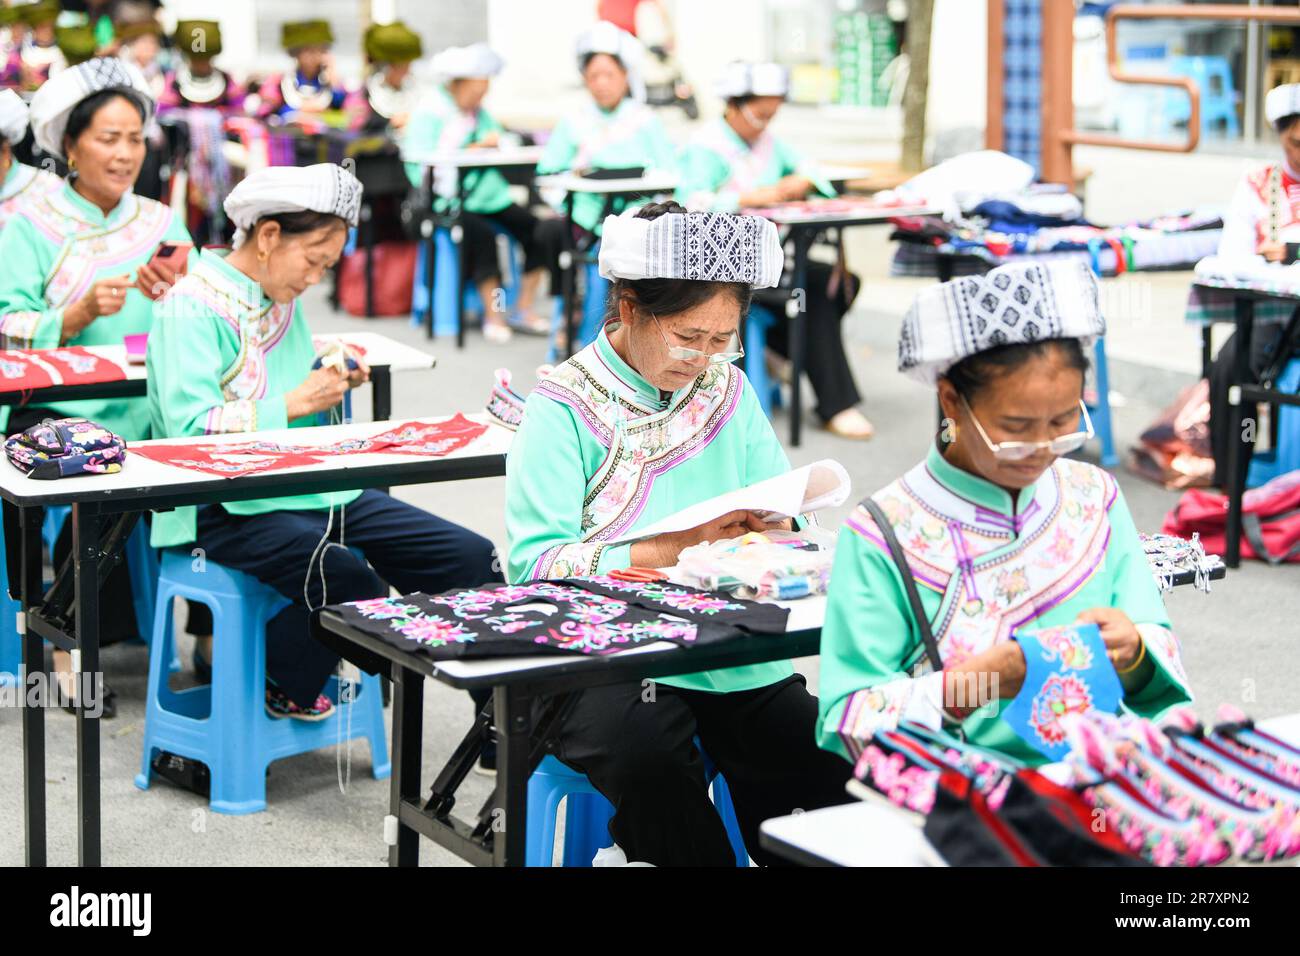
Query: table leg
368	224
381	392
514	720
1207	357
1243	316
430	229
408	738
570	277
89	682
457	235
798	334
33	716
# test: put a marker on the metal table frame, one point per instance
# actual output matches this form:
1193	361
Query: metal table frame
94	553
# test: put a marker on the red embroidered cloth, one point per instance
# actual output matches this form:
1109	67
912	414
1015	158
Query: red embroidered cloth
22	370
230	460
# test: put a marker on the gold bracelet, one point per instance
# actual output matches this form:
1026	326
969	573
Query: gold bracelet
1142	653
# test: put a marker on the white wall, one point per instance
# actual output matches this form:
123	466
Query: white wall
958	66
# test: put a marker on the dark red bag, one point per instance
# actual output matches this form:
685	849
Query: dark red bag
393	273
1270	520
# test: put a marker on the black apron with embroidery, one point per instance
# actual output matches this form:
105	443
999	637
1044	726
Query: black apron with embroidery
594	616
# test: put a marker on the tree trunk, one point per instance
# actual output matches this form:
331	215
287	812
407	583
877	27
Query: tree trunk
919	15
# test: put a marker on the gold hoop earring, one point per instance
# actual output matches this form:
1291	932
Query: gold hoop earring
72	165
263	256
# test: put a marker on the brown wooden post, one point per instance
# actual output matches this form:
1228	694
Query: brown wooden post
994	137
1057	104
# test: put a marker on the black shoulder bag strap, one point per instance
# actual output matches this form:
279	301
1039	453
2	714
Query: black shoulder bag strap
909	583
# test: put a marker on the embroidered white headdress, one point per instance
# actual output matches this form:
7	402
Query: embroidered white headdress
61	93
325	187
13	117
706	246
1012	304
754	79
464	62
1282	101
604	37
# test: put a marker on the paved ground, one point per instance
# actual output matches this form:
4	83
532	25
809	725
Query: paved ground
1239	642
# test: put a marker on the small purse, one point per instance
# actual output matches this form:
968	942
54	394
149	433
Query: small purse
63	447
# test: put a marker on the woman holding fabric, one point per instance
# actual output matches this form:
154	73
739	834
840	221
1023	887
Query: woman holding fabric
78	266
452	118
232	352
736	163
651	418
19	183
390	89
999	533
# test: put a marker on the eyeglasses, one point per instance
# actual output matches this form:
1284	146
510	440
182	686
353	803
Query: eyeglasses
1020	450
683	354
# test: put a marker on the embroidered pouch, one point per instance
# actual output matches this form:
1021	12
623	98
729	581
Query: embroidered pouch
505	405
61	447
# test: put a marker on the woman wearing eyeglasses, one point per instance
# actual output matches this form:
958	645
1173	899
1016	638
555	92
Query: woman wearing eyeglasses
649	419
999	532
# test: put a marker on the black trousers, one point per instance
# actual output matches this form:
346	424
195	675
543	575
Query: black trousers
409	548
640	753
1272	344
825	360
479	243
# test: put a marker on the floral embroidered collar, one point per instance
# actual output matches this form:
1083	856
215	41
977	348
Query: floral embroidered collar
992	503
76	206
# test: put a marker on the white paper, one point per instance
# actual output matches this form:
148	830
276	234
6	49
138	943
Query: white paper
823	484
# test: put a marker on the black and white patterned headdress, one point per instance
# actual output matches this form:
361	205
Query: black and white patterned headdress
61	93
1012	304
324	187
704	246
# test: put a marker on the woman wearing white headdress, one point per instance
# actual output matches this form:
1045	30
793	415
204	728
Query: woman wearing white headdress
998	531
651	418
19	183
736	163
451	117
77	267
231	352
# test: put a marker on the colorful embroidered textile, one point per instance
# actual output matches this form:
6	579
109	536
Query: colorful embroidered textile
60	448
22	370
230	460
505	405
22	184
986	565
596	616
1066	672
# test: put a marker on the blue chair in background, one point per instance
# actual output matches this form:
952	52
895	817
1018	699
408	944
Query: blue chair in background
446	278
1100	409
224	724
1285	455
587	816
768	392
1213	77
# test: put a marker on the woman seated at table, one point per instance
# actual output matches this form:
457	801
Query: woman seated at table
19	183
450	118
77	266
1263	217
231	352
311	87
651	418
736	163
614	130
390	90
998	531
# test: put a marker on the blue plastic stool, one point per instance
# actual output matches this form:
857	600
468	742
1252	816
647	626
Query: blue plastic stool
1264	466
225	724
1213	77
586	821
595	293
1100	411
756	326
446	278
11	645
